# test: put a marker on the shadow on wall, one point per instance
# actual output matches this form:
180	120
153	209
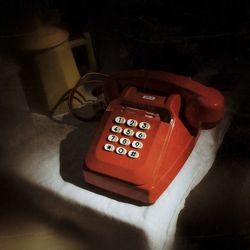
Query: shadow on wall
216	213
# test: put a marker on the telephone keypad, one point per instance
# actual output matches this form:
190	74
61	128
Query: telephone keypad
113	138
128	132
124	141
121	151
125	128
116	129
120	120
137	144
140	135
132	123
109	147
133	154
144	125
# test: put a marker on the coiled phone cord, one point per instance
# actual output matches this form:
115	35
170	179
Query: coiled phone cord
98	105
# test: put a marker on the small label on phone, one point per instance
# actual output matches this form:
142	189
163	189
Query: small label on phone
149	97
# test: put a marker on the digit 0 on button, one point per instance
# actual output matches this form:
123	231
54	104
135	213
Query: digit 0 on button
121	151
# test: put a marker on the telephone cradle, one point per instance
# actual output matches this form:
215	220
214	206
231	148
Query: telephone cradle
148	131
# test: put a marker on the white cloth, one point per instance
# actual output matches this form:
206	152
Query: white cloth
44	160
46	157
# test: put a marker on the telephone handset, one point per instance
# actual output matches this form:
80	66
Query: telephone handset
148	130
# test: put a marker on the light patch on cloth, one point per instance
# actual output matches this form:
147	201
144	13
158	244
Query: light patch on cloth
37	162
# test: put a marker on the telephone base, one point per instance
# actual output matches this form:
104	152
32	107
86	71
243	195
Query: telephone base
148	131
146	194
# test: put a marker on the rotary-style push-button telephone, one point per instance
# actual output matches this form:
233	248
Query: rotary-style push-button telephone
148	131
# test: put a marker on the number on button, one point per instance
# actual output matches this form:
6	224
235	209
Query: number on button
120	120
116	129
137	144
121	151
113	138
144	125
109	147
128	132
133	154
124	141
132	123
140	135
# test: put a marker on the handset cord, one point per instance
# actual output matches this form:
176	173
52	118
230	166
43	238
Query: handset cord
70	95
83	80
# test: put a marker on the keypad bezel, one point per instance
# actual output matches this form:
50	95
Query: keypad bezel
132	137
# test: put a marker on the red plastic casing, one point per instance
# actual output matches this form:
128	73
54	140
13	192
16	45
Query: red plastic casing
166	148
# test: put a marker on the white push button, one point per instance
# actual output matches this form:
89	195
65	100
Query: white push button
113	138
124	141
120	120
109	147
128	131
132	123
144	125
133	154
121	151
140	135
137	144
116	129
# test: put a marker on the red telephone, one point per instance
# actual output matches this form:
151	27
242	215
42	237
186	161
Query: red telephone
148	130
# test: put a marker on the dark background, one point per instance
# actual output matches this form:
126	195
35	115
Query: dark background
176	36
173	35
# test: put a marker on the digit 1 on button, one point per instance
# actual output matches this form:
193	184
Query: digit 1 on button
120	120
